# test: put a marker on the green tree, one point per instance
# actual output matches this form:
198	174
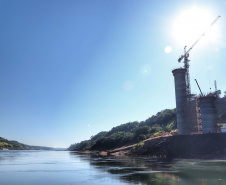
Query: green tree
141	137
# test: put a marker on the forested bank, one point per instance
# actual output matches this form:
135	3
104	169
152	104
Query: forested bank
129	133
14	145
134	132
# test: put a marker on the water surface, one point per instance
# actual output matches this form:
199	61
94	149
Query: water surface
69	168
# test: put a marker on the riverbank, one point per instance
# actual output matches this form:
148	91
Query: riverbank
197	146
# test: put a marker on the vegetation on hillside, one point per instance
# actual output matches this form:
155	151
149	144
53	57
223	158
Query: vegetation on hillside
221	109
130	133
14	145
134	132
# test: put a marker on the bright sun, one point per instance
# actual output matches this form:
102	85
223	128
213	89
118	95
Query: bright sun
189	26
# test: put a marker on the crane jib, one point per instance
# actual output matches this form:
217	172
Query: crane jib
179	60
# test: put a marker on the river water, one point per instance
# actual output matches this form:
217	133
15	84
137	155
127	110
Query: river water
69	168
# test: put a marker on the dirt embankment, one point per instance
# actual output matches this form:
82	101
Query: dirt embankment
202	146
197	146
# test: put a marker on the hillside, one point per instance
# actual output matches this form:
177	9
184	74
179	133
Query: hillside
14	145
221	109
133	132
130	133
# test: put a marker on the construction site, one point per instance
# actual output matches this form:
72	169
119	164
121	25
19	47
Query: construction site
197	125
197	117
196	114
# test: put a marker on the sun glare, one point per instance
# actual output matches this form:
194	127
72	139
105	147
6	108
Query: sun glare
168	49
189	26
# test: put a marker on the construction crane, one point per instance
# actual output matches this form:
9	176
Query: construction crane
215	84
186	55
198	87
217	92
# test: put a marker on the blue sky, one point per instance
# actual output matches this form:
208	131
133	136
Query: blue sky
70	69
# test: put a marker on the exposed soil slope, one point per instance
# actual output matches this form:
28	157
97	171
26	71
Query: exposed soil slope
207	146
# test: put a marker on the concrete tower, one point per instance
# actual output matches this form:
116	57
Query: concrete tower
208	114
185	104
181	99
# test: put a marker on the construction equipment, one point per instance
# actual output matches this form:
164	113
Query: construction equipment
186	55
199	87
215	84
217	92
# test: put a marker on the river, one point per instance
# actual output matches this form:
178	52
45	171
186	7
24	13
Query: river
69	168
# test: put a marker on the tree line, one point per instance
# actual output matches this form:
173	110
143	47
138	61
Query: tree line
15	145
130	133
133	132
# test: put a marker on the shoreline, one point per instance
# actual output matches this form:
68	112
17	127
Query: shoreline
197	146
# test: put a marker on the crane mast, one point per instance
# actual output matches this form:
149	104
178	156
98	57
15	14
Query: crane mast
186	55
